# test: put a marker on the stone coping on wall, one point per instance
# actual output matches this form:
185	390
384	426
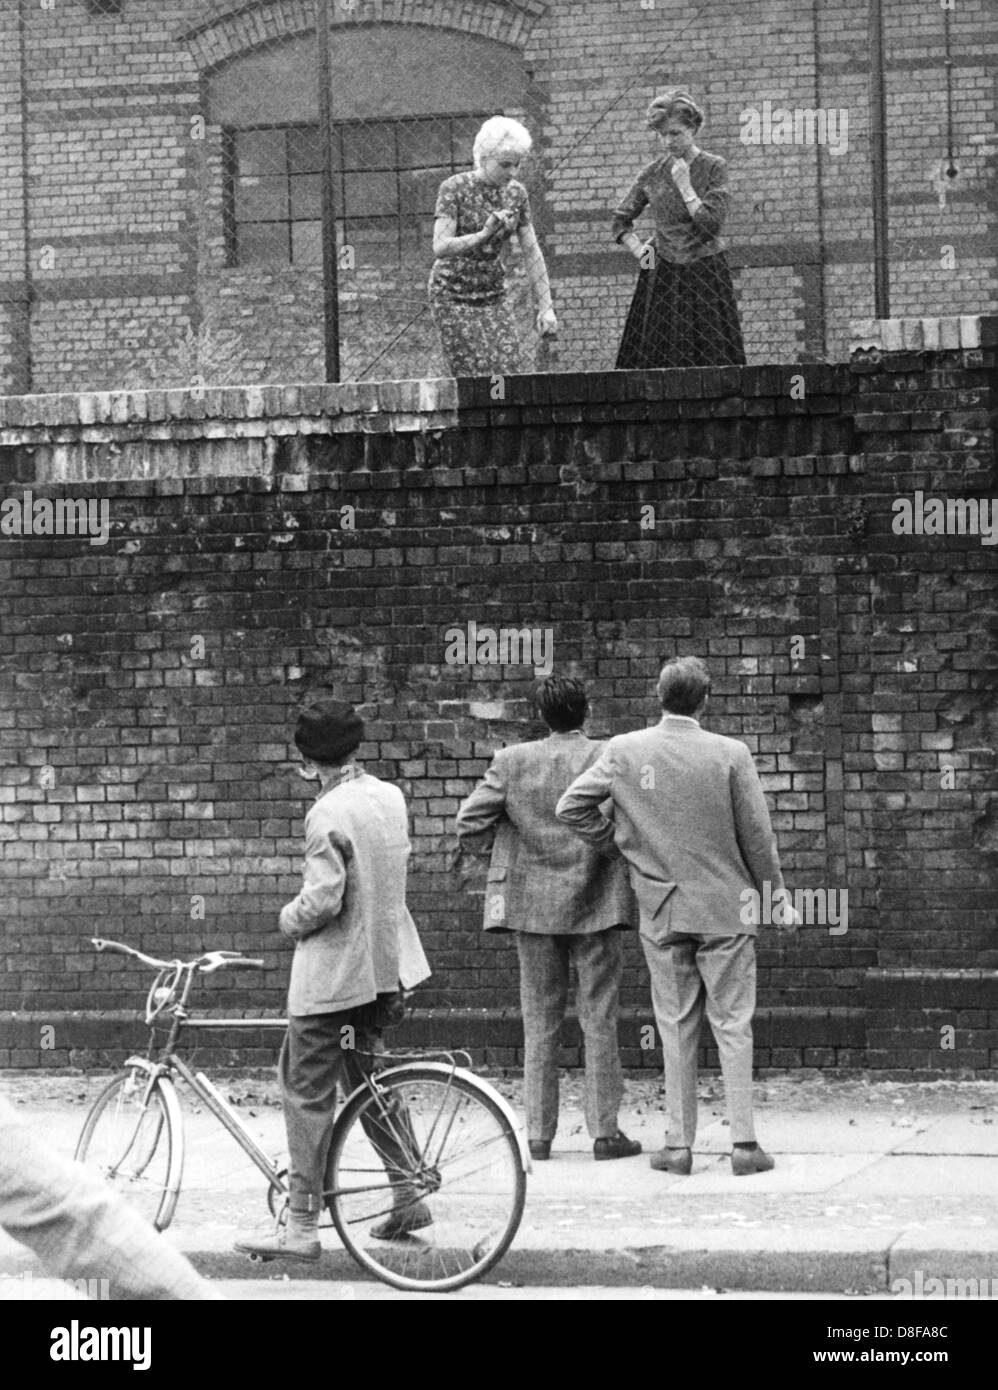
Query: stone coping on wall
251	431
943	333
431	404
418	405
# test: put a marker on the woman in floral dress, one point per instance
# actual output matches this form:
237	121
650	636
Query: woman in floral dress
477	213
683	313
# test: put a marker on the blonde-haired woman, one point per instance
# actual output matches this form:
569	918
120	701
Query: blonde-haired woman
683	313
477	213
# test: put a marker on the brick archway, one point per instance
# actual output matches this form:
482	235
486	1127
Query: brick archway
235	30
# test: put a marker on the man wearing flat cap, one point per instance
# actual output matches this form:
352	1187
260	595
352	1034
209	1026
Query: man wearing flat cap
355	946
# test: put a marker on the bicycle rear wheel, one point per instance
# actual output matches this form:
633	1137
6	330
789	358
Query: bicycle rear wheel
434	1156
132	1138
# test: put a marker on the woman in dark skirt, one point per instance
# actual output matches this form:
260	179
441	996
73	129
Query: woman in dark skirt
683	313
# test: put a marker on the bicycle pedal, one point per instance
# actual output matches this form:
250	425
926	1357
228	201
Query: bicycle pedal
257	1259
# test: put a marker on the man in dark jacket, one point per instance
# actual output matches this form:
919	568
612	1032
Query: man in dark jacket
566	903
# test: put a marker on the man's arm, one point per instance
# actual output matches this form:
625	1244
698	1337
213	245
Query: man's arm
80	1228
579	806
753	826
321	896
479	815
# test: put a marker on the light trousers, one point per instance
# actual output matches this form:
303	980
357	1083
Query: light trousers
694	976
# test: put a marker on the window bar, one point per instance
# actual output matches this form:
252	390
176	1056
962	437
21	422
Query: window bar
330	267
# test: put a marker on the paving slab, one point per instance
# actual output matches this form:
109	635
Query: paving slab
817	1134
873	1184
956	1134
926	1174
796	1172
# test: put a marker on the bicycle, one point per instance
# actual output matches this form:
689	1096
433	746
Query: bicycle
455	1143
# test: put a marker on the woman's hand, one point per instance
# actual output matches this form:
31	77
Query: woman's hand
502	222
639	249
680	172
547	323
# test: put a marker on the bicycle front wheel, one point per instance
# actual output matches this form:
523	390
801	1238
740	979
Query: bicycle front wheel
428	1181
132	1139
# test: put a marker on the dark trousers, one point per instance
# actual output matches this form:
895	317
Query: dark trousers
322	1051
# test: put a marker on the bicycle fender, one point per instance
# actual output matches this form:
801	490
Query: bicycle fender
444	1070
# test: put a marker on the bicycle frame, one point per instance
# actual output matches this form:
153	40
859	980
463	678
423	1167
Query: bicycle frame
168	1063
432	1123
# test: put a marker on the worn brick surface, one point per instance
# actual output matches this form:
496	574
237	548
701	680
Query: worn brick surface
148	686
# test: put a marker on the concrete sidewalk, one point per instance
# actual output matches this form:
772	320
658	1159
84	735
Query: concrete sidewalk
874	1182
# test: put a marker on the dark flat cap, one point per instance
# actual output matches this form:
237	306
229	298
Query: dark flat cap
328	731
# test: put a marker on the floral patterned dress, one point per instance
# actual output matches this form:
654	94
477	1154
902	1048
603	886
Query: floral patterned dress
469	296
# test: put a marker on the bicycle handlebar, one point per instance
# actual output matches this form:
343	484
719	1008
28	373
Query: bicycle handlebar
101	944
209	962
217	960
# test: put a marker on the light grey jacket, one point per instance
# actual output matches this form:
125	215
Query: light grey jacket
690	818
541	878
354	936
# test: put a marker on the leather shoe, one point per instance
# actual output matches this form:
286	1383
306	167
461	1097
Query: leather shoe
745	1161
540	1148
285	1245
678	1161
403	1221
615	1146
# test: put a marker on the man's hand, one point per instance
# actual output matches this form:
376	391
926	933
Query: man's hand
547	323
468	855
786	918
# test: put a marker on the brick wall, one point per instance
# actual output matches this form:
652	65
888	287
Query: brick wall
148	686
127	254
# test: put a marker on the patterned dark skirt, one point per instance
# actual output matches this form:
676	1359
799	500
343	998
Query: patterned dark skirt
683	316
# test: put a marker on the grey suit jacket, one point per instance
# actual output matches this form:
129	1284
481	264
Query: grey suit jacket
354	936
541	878
690	818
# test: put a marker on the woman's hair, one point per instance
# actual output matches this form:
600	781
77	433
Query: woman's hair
674	104
500	132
